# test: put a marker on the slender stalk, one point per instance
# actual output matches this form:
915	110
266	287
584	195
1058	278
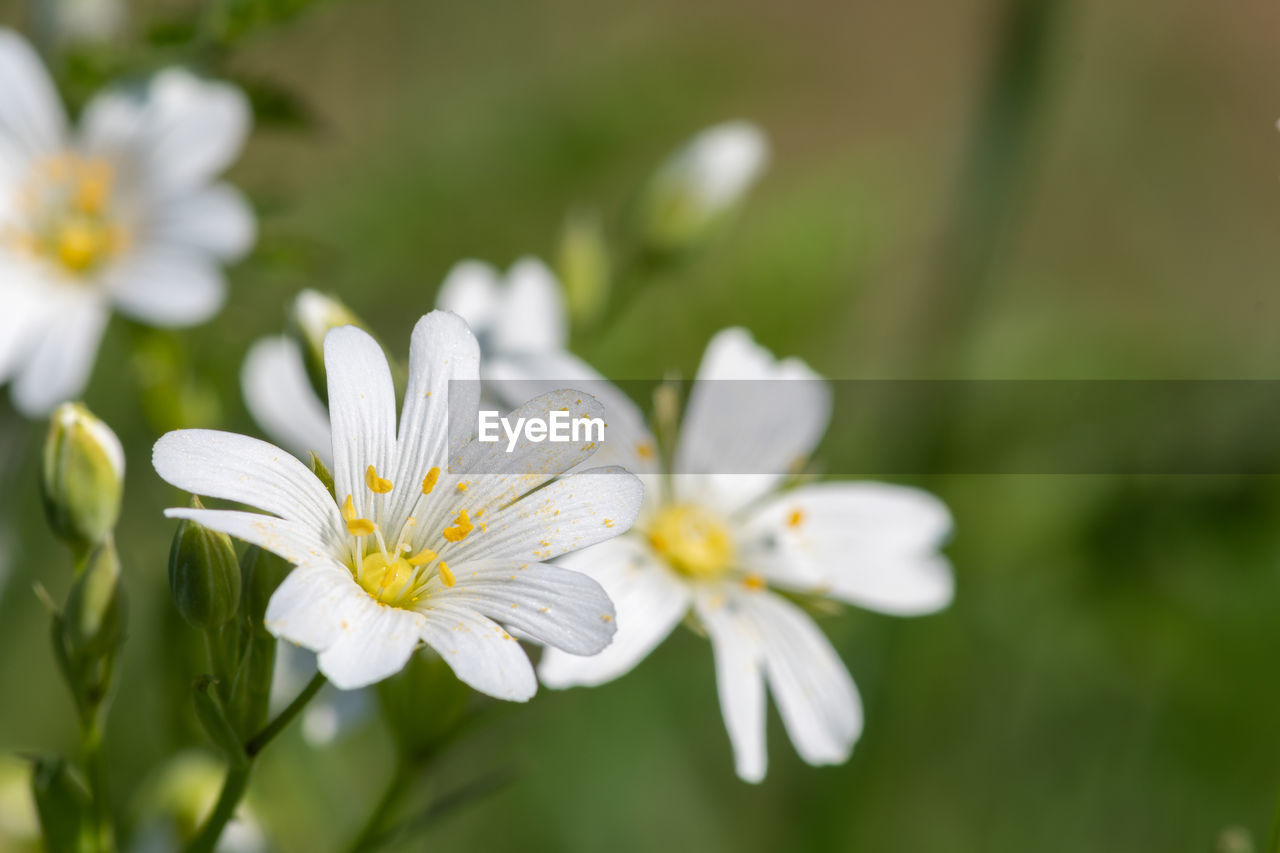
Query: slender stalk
91	738
233	788
386	805
237	779
259	741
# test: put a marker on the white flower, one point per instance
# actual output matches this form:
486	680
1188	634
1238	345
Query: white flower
523	312
719	541
121	213
513	318
702	180
419	545
89	20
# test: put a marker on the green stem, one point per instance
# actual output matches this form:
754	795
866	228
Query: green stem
233	788
387	804
237	780
91	737
259	741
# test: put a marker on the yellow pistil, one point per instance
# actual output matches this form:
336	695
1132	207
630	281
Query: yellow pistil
694	541
429	481
356	526
461	527
388	579
446	575
377	485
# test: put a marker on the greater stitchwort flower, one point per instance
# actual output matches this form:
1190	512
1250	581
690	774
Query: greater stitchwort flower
428	536
730	546
514	318
122	213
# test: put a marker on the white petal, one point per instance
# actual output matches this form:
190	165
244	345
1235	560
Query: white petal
26	314
311	603
373	643
181	132
573	512
61	360
739	680
280	398
167	286
293	541
216	219
444	372
238	468
650	601
362	412
532	316
480	652
628	441
751	420
870	544
470	290
548	604
32	121
815	695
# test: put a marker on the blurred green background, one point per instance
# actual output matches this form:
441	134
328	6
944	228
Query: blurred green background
960	189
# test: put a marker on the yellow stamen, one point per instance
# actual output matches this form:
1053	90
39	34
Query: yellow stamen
377	485
446	576
461	527
356	526
426	555
429	481
794	519
693	540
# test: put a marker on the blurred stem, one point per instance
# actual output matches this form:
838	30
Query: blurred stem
91	743
387	804
985	202
237	780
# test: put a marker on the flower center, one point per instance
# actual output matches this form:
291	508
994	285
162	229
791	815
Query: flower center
390	570
390	579
66	212
693	540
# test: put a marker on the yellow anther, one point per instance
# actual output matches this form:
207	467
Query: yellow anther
644	450
461	527
426	555
92	188
377	485
429	481
356	526
446	576
753	582
795	518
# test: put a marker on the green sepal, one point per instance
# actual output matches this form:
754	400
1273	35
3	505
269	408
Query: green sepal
63	806
216	725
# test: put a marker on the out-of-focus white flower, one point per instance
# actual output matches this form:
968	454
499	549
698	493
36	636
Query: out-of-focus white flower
89	20
513	317
433	537
121	213
176	800
701	181
521	312
718	540
332	713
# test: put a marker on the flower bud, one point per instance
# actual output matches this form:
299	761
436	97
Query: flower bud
93	621
62	804
425	682
204	575
698	184
82	476
583	263
251	691
311	318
